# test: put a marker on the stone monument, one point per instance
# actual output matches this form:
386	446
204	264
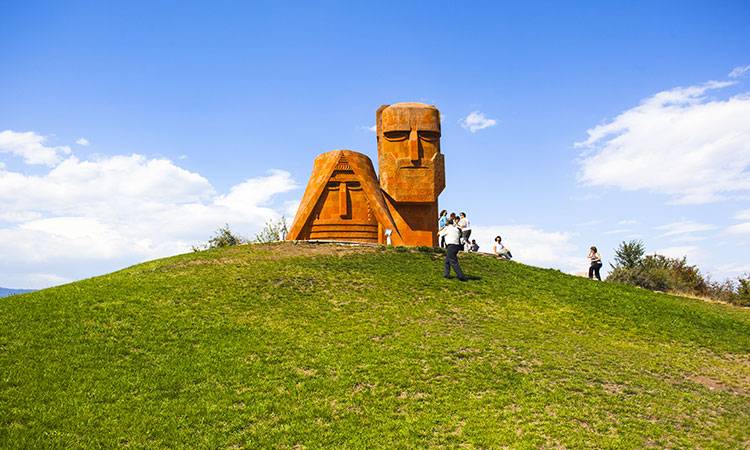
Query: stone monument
344	201
412	169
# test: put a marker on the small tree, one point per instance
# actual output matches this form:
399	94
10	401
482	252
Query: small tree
629	254
742	297
223	238
274	231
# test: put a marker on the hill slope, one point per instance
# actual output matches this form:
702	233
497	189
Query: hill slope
298	346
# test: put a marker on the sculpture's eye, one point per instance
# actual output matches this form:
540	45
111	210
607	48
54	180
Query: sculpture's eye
432	136
396	135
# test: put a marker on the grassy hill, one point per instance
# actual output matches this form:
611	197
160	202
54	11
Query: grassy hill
325	347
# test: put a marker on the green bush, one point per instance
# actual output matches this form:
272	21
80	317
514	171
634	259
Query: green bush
742	294
662	273
274	231
656	279
655	272
223	238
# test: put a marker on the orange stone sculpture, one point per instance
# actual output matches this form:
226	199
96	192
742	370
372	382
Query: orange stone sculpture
344	201
412	169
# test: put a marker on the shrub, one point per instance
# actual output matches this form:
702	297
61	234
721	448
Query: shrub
274	231
656	279
662	273
223	238
742	294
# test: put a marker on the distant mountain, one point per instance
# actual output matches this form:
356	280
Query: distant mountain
4	292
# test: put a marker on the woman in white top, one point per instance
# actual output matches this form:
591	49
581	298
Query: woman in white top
465	227
500	250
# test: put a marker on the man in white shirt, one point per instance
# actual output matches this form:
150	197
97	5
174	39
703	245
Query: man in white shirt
453	240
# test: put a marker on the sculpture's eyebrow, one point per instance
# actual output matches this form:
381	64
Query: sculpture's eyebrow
396	126
429	126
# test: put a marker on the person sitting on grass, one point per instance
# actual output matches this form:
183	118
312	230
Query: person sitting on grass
500	250
473	248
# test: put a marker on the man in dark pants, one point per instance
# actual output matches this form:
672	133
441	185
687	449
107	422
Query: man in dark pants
453	239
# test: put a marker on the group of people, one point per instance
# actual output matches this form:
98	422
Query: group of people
454	232
461	222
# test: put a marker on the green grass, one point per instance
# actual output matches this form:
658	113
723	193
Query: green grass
323	347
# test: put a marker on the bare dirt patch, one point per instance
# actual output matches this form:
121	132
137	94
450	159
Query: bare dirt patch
244	254
304	249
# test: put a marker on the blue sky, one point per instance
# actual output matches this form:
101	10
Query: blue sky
132	130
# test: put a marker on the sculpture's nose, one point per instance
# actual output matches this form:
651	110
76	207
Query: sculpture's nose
414	147
343	200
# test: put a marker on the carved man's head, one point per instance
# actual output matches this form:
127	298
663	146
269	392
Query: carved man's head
411	167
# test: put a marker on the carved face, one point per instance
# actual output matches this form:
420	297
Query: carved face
344	200
342	211
412	169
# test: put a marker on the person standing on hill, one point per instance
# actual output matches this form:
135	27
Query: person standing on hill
453	239
442	221
596	264
465	227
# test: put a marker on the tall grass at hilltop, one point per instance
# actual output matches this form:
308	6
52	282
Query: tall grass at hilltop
289	346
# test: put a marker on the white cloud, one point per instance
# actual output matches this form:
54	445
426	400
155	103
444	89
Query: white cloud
618	231
627	222
688	238
19	216
83	141
678	251
534	246
30	146
33	280
677	142
290	209
684	226
83	218
476	121
113	182
740	228
739	71
734	268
